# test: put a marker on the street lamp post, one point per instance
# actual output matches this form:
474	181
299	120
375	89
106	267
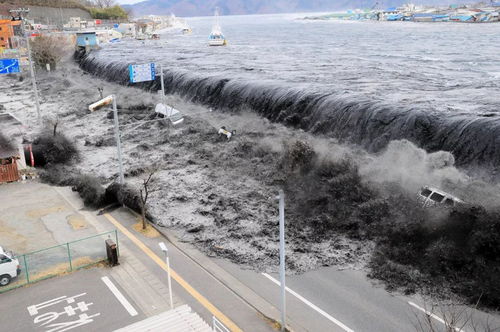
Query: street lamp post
106	101
118	141
282	258
165	250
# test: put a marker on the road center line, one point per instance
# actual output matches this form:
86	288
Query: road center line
193	292
119	296
439	319
311	305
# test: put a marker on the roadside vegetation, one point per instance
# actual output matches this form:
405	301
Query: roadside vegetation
115	12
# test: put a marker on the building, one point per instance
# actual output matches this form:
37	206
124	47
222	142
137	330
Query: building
12	159
86	39
9	29
127	29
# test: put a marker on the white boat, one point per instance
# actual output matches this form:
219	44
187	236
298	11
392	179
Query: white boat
216	37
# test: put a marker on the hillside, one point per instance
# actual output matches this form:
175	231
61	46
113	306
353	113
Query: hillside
240	7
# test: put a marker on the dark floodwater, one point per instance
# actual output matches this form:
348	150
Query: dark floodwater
436	84
444	66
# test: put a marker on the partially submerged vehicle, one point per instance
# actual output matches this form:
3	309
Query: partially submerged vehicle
9	267
225	132
429	196
170	113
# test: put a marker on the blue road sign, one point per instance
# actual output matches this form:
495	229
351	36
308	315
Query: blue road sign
8	66
142	73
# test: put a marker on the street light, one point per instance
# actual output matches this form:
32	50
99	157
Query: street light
164	248
281	198
106	101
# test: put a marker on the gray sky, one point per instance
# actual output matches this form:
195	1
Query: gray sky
127	2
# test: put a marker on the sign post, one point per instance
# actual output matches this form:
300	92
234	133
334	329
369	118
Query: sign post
142	73
8	66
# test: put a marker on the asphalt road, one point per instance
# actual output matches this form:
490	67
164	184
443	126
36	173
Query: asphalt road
322	300
81	301
231	305
331	300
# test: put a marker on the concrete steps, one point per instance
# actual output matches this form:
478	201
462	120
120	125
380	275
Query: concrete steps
180	319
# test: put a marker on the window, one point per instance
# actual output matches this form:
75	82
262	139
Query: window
425	192
4	259
449	202
437	197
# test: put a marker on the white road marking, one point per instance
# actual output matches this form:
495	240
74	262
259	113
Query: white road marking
314	307
439	319
125	303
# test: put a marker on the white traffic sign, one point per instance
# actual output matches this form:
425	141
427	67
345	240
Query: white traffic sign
142	73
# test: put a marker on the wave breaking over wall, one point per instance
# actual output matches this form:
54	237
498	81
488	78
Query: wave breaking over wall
472	139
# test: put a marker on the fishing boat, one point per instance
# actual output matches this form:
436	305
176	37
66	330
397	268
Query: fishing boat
216	37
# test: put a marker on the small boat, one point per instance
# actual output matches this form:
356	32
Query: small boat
186	30
216	37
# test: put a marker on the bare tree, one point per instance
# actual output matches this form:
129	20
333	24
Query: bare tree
50	50
51	122
148	186
453	318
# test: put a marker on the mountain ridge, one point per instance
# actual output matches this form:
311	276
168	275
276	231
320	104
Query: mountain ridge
246	7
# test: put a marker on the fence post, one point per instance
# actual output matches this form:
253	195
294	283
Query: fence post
69	257
26	268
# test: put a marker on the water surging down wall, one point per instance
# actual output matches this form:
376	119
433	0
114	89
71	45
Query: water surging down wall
472	139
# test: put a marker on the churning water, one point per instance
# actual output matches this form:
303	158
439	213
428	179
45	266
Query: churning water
436	84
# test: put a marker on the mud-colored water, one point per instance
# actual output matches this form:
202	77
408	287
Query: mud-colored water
363	82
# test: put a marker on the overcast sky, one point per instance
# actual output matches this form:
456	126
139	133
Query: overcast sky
127	2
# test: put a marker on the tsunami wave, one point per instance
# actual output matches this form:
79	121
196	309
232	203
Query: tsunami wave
472	139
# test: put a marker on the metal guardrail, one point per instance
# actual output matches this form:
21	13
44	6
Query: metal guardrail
46	263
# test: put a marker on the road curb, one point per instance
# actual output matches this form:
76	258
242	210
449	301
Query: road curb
247	295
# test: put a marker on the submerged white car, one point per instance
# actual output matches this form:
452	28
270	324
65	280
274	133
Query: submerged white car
429	196
9	267
166	111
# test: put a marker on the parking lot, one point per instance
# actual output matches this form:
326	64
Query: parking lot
34	216
89	300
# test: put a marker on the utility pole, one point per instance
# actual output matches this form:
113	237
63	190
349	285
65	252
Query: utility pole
20	13
282	258
118	142
162	85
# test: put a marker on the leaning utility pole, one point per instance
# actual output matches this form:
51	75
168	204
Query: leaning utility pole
20	13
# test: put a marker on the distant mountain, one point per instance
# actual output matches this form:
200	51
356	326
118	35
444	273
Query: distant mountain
237	7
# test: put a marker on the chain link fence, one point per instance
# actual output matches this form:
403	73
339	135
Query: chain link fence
46	263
